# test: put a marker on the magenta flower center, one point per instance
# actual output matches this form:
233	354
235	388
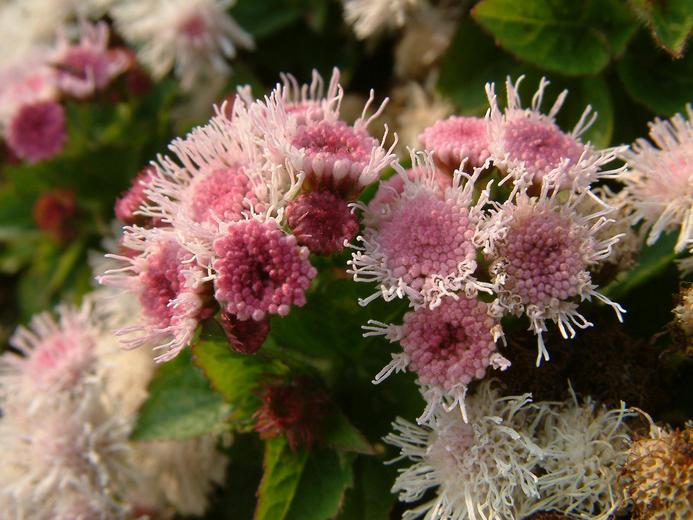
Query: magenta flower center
455	138
37	131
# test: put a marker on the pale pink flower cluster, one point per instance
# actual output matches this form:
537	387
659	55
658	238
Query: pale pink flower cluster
496	218
69	398
228	221
32	120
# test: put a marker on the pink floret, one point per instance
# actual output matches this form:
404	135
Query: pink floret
37	131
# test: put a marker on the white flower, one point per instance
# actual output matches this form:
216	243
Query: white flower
660	185
369	17
197	37
482	469
585	448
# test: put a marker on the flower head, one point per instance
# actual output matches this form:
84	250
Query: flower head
331	154
422	245
526	142
88	66
54	212
660	185
321	221
456	138
370	17
541	250
36	132
447	347
479	469
310	103
194	36
296	409
131	201
56	356
260	270
658	472
170	286
585	447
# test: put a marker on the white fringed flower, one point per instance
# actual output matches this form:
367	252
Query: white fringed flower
660	183
422	246
481	469
71	455
585	447
527	142
369	17
197	37
542	249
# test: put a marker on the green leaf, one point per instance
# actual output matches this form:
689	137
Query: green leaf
572	38
653	78
670	21
371	497
282	473
342	435
237	377
181	404
324	481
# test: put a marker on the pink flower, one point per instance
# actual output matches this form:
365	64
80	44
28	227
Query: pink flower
56	356
526	142
331	154
660	186
217	177
89	65
448	347
260	270
542	249
37	131
321	221
131	201
170	286
309	103
456	138
423	246
390	189
28	82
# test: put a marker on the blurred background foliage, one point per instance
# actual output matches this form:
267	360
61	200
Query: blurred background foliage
626	58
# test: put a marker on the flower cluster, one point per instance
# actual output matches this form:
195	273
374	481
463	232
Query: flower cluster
69	398
513	458
497	218
32	120
230	219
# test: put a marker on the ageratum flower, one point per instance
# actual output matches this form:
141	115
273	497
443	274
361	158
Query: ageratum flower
447	347
480	469
455	139
585	446
87	66
422	245
370	17
331	154
542	249
172	290
527	142
196	37
56	357
660	183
